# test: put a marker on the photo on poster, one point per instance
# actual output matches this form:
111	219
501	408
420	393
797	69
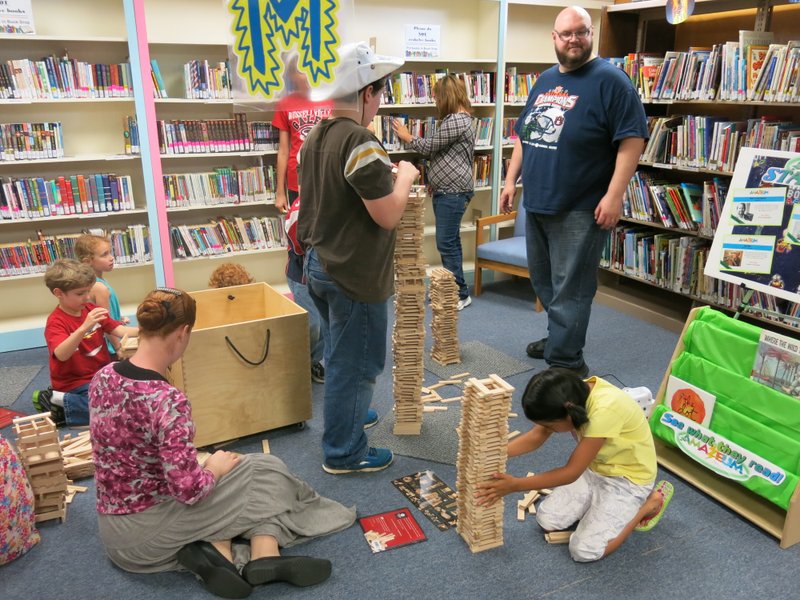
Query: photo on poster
759	250
432	496
748	253
758	206
391	529
689	400
777	363
793	231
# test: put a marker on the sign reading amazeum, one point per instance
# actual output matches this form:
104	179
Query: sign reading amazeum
719	454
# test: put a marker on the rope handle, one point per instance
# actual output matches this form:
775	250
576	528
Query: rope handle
250	362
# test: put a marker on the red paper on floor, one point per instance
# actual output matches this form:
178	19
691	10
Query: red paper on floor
391	529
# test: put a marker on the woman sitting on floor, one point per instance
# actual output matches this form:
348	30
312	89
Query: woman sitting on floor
159	509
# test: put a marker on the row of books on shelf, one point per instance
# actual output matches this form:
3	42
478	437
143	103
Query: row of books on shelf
37	197
752	68
666	259
417	88
517	86
204	81
192	136
712	142
425	128
57	78
227	234
676	262
482	170
29	141
224	185
131	245
689	206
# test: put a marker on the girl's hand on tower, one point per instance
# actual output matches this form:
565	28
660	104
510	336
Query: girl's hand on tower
489	492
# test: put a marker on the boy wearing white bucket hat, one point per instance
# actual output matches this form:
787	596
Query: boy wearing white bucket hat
351	204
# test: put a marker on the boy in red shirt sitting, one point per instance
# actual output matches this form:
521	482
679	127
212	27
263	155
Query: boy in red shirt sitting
75	338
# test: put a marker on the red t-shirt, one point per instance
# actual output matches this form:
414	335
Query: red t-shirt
297	115
92	352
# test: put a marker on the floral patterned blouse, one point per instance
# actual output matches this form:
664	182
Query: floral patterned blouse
142	434
18	531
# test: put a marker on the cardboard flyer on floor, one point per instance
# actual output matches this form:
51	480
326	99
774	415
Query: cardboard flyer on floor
432	496
391	529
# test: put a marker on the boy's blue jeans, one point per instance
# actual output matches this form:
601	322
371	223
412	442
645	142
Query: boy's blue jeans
563	256
303	299
76	405
355	354
449	210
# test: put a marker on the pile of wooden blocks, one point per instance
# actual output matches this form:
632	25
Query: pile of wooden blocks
77	453
482	452
408	336
444	326
39	449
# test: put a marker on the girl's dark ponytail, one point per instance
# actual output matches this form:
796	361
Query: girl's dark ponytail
556	394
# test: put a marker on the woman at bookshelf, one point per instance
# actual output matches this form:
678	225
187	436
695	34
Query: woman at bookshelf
160	509
451	151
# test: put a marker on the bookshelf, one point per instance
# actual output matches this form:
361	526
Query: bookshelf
204	35
473	35
92	144
641	27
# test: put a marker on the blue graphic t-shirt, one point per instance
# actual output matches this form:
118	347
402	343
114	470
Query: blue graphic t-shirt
570	131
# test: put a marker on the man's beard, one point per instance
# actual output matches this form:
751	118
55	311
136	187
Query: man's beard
572	61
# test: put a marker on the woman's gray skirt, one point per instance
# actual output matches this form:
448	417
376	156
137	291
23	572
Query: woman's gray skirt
258	497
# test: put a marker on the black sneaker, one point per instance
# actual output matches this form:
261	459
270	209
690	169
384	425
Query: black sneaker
317	373
536	349
42	401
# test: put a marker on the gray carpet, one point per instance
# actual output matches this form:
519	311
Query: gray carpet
14	380
438	441
480	361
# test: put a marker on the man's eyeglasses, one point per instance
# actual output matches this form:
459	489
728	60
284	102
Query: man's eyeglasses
566	36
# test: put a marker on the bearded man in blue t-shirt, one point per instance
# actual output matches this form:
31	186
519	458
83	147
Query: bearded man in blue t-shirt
580	137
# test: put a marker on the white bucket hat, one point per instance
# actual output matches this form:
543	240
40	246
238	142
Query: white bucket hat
358	67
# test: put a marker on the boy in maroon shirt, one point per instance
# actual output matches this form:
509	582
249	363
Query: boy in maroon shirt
75	339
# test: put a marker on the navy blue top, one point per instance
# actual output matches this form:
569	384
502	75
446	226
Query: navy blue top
570	131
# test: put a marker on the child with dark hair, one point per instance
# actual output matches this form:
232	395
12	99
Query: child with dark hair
159	509
607	483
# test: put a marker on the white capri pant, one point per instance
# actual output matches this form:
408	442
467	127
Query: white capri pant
603	505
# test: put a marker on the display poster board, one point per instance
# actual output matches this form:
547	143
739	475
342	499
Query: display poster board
757	242
16	16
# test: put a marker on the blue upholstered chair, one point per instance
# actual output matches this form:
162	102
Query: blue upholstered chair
509	255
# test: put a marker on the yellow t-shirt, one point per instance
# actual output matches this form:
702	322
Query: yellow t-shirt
628	451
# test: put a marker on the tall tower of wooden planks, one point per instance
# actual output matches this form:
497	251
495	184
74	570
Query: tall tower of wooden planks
482	451
408	335
444	326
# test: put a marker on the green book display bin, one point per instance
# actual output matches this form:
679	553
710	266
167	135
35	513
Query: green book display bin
754	429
